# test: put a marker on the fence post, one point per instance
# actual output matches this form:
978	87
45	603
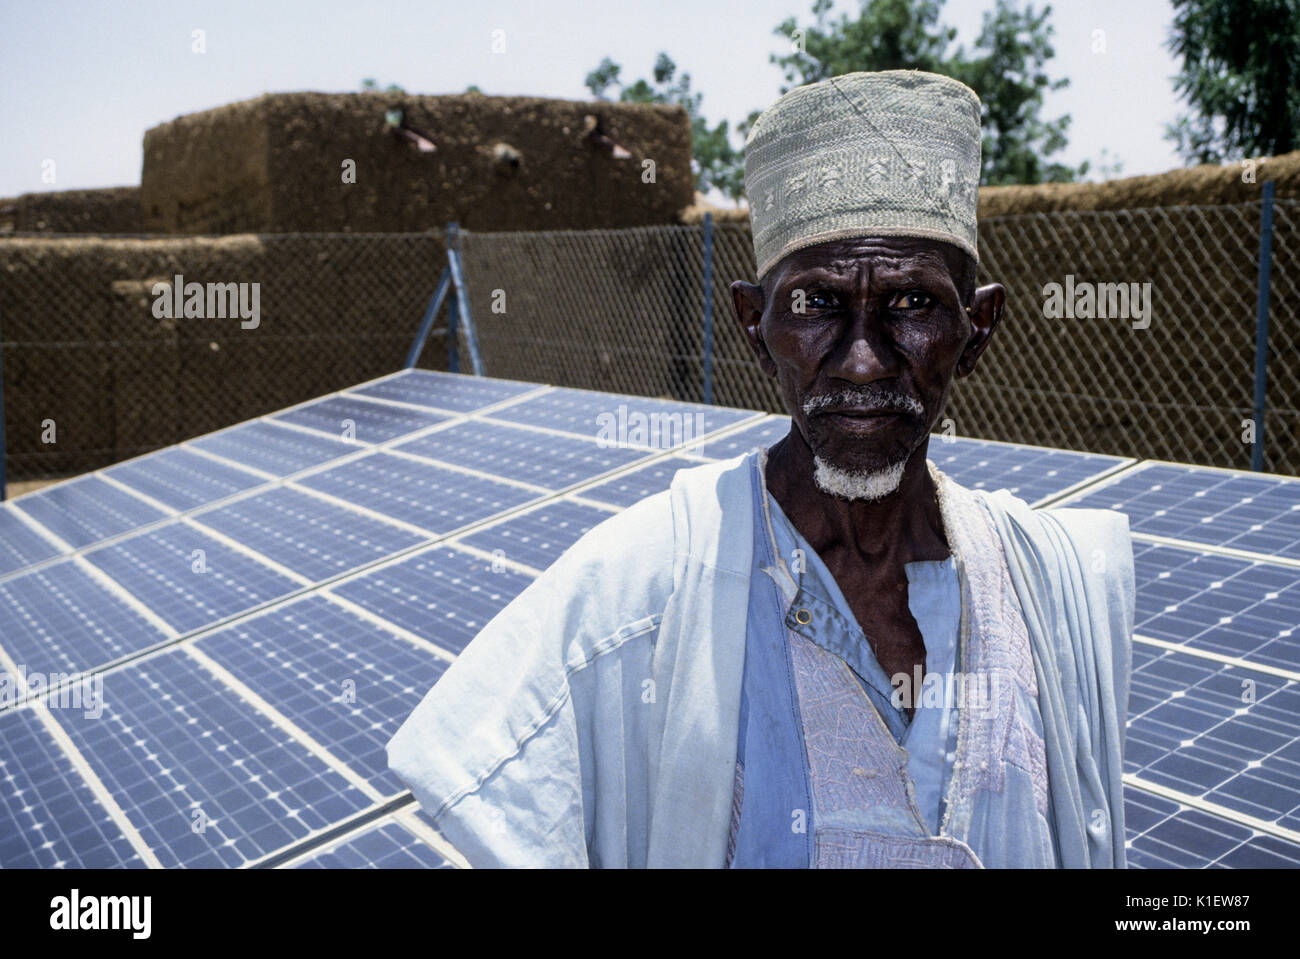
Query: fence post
462	297
426	325
1261	323
453	348
708	308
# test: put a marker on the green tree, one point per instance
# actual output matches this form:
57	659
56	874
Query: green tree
1240	76
368	85
715	161
886	35
1007	68
1008	71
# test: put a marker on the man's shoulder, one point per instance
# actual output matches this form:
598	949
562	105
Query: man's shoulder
630	561
1086	528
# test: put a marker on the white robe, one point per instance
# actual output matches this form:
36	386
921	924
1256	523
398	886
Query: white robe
594	720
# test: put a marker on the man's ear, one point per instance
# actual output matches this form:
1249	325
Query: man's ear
748	300
984	314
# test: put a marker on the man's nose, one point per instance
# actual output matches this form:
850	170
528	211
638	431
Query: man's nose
864	353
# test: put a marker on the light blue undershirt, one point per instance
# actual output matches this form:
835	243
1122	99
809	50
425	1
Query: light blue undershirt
934	598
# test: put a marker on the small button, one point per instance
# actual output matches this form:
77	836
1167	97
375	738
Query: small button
802	616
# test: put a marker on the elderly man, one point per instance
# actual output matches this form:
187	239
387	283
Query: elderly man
826	654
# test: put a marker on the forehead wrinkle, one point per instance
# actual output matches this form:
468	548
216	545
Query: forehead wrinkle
855	262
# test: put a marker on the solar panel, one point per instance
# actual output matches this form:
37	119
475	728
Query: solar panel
444	391
182	479
345	681
361	420
188	578
20	544
312	537
273	448
1222	604
1251	512
1216	732
87	510
538	537
636	485
1029	472
48	815
257	654
624	420
204	778
427	496
61	619
544	459
443	595
385	845
761	435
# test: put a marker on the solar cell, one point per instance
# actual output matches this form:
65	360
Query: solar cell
20	545
344	681
385	845
182	479
1216	732
188	578
344	417
272	448
48	815
1257	513
625	420
315	538
1029	472
444	391
60	619
762	434
87	510
443	595
427	496
543	459
631	487
205	779
1223	604
538	538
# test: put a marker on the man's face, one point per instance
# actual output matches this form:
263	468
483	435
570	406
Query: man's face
864	337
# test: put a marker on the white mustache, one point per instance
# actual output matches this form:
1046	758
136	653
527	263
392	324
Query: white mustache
884	400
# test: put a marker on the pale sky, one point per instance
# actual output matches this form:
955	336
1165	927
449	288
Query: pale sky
84	79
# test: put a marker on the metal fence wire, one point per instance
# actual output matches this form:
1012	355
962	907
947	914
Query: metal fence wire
91	375
622	310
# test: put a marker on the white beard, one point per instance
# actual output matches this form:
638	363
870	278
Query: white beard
850	485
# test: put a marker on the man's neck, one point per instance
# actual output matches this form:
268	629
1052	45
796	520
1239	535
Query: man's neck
905	526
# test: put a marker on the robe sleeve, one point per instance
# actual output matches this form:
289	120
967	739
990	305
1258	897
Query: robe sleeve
512	747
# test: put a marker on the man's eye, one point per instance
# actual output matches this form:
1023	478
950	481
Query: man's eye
912	300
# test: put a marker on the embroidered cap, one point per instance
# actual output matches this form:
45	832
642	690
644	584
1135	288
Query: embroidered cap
893	153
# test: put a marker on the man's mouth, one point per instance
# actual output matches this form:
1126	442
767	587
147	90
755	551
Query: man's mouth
858	420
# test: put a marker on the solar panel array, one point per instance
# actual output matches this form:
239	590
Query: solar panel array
204	651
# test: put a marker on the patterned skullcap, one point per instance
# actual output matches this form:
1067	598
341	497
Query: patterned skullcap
893	153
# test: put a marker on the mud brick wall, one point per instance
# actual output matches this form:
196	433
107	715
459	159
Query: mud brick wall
110	210
81	344
274	164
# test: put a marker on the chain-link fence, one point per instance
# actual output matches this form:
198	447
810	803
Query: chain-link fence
92	374
104	358
622	310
